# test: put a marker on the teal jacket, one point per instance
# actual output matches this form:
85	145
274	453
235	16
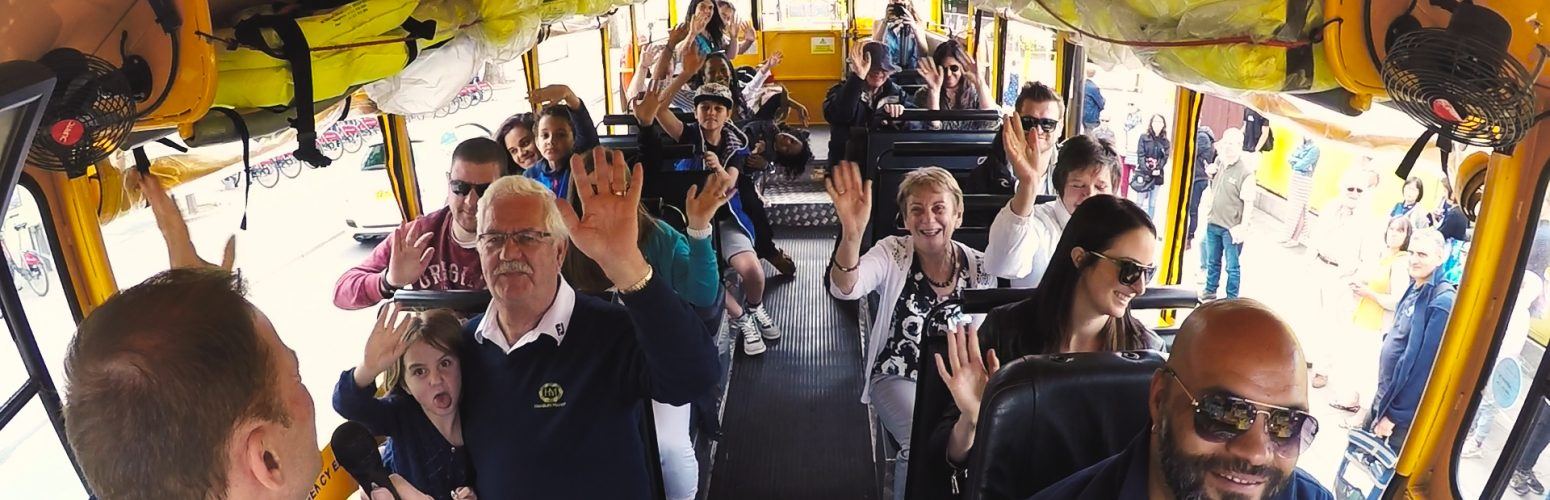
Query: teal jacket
688	264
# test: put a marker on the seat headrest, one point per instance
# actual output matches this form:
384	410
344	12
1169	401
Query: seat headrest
1046	417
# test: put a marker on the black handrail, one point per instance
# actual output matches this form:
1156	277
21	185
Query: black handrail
940	115
926	148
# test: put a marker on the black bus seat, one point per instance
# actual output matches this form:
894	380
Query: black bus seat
467	302
928	478
1044	418
1155	297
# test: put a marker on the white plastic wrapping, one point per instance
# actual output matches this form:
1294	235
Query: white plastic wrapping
432	80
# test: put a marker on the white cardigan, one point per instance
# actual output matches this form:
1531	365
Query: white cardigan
1020	247
883	269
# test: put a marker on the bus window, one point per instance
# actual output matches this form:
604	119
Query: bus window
987	32
651	21
955	17
876	9
33	463
576	60
434	137
1363	267
802	14
1519	360
619	51
1030	56
1135	101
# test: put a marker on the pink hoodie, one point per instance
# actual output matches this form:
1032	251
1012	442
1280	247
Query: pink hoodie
452	267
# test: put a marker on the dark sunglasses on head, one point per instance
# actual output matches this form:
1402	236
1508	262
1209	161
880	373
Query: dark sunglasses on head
461	188
1046	124
1221	417
1130	271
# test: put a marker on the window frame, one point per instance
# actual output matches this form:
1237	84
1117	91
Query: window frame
1539	384
40	382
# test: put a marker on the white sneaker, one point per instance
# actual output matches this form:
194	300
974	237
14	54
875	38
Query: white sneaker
753	343
767	326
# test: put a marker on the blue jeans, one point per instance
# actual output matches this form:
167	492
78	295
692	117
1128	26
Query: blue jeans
1219	245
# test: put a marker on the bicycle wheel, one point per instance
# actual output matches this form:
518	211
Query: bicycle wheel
331	149
267	177
352	143
37	280
290	168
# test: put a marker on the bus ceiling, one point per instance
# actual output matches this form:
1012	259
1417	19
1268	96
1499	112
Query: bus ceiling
1343	56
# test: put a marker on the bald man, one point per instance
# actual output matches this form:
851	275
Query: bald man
1235	365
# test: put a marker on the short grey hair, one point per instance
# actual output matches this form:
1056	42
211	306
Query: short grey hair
515	186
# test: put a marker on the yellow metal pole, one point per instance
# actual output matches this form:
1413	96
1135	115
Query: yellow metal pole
400	165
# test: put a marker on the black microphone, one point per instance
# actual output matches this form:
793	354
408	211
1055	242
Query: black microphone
356	451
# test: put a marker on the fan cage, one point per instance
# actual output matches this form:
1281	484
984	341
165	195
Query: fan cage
97	95
1488	88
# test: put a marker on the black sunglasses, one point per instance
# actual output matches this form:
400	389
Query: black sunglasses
1130	271
1221	417
461	188
1046	124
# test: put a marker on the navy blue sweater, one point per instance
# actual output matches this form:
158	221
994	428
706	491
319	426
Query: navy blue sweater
417	450
562	420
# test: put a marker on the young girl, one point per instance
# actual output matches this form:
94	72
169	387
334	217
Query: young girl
562	128
420	410
516	135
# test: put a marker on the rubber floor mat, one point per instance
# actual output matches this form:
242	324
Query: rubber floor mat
794	426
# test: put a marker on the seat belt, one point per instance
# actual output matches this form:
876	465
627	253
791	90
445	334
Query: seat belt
242	131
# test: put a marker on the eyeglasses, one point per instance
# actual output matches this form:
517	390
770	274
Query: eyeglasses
1130	271
461	188
1222	417
1046	124
525	239
1356	190
954	68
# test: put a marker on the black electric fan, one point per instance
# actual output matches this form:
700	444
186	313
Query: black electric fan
1460	81
89	115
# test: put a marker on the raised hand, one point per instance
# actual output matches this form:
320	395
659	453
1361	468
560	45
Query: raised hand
930	73
174	230
608	228
971	70
970	372
852	198
701	204
1025	165
698	22
464	493
645	111
774	60
409	254
893	110
386	343
551	94
860	61
756	160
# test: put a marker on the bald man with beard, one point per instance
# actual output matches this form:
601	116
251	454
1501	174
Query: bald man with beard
1233	360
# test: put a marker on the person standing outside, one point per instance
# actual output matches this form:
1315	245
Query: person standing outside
1092	102
1410	346
1304	160
1343	235
1205	154
1153	151
1233	192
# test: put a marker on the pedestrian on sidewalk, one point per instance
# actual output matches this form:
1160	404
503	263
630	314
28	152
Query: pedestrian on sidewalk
1233	192
1304	160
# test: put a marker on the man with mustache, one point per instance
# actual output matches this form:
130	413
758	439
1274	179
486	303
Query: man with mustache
436	251
1233	360
554	381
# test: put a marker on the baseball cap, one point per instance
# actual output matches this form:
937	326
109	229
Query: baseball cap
714	92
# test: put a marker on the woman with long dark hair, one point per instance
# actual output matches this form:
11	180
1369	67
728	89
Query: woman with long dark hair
952	83
516	135
1105	258
1152	151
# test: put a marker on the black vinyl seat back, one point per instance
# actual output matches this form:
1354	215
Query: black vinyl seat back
1046	417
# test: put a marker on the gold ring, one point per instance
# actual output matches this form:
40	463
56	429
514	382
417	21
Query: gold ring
618	193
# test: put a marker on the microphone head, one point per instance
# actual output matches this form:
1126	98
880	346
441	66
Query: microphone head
356	451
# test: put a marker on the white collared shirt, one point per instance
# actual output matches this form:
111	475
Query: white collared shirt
553	322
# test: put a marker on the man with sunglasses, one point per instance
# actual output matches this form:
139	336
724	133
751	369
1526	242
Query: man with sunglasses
1229	417
1340	242
1038	111
436	251
1410	346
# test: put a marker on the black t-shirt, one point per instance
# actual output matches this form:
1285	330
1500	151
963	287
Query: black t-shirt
1255	126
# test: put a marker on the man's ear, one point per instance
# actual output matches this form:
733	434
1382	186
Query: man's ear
258	455
1157	396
